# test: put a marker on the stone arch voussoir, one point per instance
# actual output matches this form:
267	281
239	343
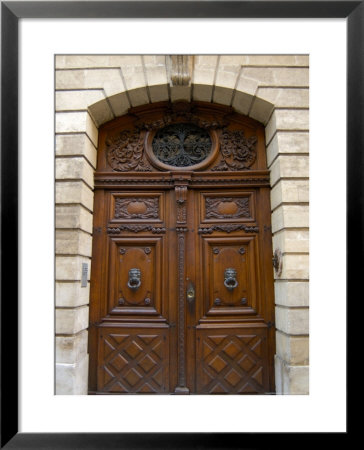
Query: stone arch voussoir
118	104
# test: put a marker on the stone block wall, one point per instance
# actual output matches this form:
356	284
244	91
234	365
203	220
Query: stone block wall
93	89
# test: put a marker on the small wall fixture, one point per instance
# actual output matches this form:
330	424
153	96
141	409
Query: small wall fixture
277	262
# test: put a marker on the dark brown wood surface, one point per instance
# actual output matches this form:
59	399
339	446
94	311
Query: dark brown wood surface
188	328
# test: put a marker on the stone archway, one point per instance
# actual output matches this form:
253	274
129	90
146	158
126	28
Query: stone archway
92	90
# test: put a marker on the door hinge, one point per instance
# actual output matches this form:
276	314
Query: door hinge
270	324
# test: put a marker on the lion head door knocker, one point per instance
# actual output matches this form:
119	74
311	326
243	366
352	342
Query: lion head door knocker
230	281
134	281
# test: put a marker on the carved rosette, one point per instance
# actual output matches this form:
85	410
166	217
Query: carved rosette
237	151
126	152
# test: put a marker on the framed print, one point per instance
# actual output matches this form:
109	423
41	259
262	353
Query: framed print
177	268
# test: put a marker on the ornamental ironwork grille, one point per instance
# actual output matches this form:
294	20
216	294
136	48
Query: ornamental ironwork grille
182	145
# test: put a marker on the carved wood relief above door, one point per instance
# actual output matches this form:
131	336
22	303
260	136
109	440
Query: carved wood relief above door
182	279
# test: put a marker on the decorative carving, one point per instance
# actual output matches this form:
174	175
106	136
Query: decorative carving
181	145
180	69
169	182
260	181
134	362
125	153
181	312
228	228
181	198
137	208
182	112
237	151
136	229
226	208
231	364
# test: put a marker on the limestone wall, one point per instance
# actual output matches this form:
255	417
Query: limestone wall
93	89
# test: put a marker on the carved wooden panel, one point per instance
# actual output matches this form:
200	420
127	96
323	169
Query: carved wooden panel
229	293
126	143
133	360
227	207
237	151
137	207
125	152
129	255
232	360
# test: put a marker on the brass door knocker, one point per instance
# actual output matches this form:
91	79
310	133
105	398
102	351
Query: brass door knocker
230	279
134	281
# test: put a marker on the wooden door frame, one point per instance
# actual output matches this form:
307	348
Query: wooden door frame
164	108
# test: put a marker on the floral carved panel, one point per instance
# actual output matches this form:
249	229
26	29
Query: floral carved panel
237	151
126	152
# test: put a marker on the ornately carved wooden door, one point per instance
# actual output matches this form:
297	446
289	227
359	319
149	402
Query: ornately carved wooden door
181	283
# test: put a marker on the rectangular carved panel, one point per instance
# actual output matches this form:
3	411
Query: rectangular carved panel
135	277
232	360
230	276
137	207
133	360
227	207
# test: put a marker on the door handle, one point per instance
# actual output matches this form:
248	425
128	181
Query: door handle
190	293
230	281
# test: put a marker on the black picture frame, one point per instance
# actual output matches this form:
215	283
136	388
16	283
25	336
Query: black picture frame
11	12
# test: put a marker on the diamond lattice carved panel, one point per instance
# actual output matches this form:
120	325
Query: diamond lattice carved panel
231	361
133	362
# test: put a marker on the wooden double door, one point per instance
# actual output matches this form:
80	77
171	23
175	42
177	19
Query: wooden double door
181	287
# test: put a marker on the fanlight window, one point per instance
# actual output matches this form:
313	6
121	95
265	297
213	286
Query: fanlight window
182	145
